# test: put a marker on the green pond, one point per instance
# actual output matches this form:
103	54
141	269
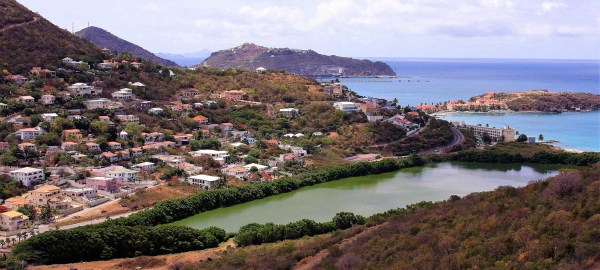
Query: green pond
367	195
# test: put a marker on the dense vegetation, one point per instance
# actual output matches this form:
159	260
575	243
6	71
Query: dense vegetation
255	234
10	187
36	249
550	224
38	44
13	13
306	63
104	39
436	134
96	243
545	157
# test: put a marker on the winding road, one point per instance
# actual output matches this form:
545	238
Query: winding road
457	139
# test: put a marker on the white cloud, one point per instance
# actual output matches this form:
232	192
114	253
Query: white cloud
549	6
152	7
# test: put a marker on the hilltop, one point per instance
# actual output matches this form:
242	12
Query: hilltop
28	40
302	62
544	100
105	39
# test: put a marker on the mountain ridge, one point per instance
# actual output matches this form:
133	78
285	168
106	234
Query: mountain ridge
302	62
105	39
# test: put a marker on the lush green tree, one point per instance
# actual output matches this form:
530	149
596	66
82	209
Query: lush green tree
28	210
540	137
522	138
486	138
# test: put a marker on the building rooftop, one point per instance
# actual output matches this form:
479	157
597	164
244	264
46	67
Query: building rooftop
205	177
27	170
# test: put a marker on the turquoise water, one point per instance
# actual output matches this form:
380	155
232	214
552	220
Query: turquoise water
371	194
438	80
574	130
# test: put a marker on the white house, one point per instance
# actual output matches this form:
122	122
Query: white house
261	168
220	156
100	103
47	99
82	89
80	193
289	112
49	117
144	166
156	111
138	84
346	106
261	70
27	175
122	94
118	172
29	134
203	180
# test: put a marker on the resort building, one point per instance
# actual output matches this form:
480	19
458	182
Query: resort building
505	134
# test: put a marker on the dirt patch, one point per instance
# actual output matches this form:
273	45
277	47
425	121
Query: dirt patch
108	209
170	261
149	197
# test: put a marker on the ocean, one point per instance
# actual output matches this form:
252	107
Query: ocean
439	80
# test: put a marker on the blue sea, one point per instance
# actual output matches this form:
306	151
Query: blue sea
439	80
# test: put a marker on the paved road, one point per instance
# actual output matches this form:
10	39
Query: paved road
457	139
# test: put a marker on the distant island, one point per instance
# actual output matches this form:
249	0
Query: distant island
104	39
530	101
302	62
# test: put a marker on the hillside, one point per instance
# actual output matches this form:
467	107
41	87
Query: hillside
545	101
104	39
302	62
28	40
551	224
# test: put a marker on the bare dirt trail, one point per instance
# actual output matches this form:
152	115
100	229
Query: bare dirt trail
11	26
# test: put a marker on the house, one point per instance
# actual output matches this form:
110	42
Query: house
42	73
4	146
261	168
67	146
27	100
374	118
138	84
136	151
153	137
14	203
227	127
233	94
237	144
124	154
28	175
27	147
369	108
289	112
92	146
80	193
145	166
204	181
72	135
48	99
106	65
49	117
100	103
18	79
117	172
260	70
123	135
272	142
110	157
346	106
333	90
114	145
126	119
238	172
183	139
43	196
188	93
144	105
156	111
14	221
105	119
221	156
82	89
29	134
123	94
201	120
107	184
136	64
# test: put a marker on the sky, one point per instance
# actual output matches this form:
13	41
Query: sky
532	29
